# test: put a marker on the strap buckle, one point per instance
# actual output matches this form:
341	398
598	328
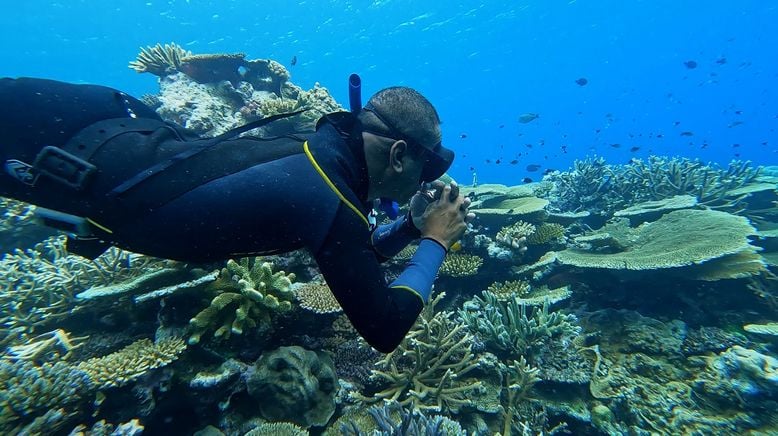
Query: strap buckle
63	167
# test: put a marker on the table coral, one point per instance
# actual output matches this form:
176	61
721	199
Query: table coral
679	238
248	293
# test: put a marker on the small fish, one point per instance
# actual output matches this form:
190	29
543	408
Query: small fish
527	180
548	171
533	167
704	145
497	161
676	123
659	135
514	161
456	246
528	117
687	133
472	168
734	124
721	61
293	62
463	135
564	149
597	130
690	64
582	81
616	145
735	145
738	112
634	149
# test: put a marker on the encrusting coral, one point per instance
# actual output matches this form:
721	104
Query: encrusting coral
248	293
428	369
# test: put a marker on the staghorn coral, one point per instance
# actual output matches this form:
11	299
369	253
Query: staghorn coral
38	285
316	297
546	233
46	347
294	384
460	265
248	293
159	60
429	366
392	418
507	329
518	379
510	236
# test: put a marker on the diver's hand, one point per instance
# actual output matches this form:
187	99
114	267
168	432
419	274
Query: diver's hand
445	218
423	197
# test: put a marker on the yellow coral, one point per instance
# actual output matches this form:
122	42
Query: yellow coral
545	233
460	265
131	362
505	291
317	297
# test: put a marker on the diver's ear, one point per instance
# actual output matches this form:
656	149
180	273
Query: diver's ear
397	153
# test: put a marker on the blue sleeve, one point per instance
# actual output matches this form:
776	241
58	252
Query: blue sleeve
420	272
389	239
381	314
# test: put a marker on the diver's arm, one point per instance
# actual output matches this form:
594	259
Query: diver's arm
381	314
389	239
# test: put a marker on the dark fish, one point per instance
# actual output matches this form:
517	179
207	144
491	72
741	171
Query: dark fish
528	145
488	161
533	167
690	64
721	61
472	169
704	145
526	180
514	161
634	149
528	117
582	81
659	135
687	133
502	125
738	112
735	145
564	149
597	130
293	62
463	135
548	171
676	123
615	145
497	161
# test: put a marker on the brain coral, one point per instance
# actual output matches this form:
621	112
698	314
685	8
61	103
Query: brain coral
680	238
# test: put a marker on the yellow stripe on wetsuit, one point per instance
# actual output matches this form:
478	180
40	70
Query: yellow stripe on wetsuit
332	185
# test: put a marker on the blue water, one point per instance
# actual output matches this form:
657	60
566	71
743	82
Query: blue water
481	64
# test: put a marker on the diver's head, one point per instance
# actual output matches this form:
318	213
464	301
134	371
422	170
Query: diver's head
401	131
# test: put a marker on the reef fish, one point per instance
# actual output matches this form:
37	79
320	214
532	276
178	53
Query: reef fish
690	64
582	81
533	167
528	117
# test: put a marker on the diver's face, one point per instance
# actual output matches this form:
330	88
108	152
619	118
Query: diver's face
407	171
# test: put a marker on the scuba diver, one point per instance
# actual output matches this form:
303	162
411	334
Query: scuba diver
106	169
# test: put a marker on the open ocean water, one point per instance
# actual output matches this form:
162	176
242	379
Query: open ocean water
632	143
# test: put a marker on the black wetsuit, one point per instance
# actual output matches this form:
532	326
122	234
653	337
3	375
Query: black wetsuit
236	197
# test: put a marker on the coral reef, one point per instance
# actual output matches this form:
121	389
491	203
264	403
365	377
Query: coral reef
546	233
277	429
248	293
294	384
460	265
391	418
429	367
511	235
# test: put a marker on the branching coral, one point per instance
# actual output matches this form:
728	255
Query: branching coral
37	286
460	265
429	366
526	294
546	233
518	379
160	60
508	329
248	293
